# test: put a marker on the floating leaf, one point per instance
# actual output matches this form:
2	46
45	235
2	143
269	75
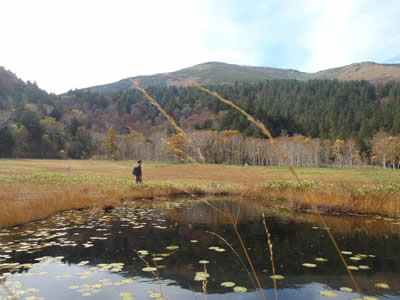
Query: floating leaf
155	295
355	258
143	252
308	265
194	241
277	277
204	262
328	293
127	280
382	285
239	289
172	247
126	295
347	252
201	276
320	259
157	258
74	287
346	289
228	284
354	268
362	267
149	269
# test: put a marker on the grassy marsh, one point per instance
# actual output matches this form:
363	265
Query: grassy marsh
32	189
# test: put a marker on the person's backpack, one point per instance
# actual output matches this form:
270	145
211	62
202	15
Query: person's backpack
134	171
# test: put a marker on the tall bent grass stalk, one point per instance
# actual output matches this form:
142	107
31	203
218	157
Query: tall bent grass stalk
289	165
271	254
226	213
237	255
204	285
155	273
245	251
173	123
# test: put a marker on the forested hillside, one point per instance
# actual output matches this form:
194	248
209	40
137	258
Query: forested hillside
324	118
217	73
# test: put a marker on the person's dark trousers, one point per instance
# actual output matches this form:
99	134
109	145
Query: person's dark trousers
139	179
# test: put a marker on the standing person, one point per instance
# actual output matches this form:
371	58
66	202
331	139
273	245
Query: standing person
137	171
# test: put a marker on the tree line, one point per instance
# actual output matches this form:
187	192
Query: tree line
319	122
232	147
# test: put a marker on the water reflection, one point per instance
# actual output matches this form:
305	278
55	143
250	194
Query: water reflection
93	253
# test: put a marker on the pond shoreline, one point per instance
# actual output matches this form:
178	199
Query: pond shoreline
29	198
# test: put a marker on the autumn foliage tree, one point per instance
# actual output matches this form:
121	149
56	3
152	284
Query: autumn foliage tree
110	143
380	147
175	145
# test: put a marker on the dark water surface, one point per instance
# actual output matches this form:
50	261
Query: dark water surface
94	254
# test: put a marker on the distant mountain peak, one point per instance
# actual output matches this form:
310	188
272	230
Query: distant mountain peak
214	72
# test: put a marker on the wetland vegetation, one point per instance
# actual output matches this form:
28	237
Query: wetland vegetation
87	229
32	189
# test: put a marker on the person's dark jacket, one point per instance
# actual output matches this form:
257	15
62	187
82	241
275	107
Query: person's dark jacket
139	171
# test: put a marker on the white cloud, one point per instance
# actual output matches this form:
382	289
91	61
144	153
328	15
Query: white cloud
73	44
68	44
344	32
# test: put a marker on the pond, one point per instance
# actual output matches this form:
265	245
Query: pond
170	250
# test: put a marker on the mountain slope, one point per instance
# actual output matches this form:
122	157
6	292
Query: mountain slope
372	72
222	73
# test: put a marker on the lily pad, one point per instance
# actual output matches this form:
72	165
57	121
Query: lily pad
74	287
382	285
355	258
204	262
362	267
308	265
277	277
320	259
238	289
328	293
171	248
346	289
201	276
228	284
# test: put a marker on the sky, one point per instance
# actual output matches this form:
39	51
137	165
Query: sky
68	44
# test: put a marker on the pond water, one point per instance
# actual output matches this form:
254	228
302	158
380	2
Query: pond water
98	254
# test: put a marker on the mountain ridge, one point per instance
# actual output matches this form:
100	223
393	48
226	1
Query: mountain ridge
210	73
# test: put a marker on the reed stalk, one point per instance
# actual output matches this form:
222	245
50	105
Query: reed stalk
271	254
173	123
289	165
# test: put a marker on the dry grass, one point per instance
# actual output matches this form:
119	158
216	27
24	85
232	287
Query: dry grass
23	203
344	200
25	196
187	173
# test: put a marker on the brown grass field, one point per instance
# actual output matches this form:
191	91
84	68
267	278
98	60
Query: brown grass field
155	172
33	189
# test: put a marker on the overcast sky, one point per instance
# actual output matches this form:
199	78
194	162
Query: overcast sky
67	44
